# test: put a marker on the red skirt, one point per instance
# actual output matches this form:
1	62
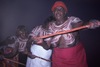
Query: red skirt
69	57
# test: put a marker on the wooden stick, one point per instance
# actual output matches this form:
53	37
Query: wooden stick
66	31
32	56
14	61
43	58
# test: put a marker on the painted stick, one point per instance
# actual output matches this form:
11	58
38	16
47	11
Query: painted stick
66	31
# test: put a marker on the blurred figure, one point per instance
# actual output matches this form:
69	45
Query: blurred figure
22	37
9	50
15	47
38	49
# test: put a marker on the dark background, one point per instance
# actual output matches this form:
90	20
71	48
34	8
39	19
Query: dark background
34	12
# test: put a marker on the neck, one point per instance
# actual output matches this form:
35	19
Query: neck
61	21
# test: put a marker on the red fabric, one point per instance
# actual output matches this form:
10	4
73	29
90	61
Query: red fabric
59	3
69	57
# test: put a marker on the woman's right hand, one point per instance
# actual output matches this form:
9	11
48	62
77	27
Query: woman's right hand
31	56
37	40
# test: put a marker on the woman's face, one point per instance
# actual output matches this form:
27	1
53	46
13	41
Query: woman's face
59	13
22	34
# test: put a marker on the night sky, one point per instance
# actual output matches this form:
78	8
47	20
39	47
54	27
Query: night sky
34	12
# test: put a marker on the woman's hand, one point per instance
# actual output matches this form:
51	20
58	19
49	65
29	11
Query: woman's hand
94	24
31	56
37	40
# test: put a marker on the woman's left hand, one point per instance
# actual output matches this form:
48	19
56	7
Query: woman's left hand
94	24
